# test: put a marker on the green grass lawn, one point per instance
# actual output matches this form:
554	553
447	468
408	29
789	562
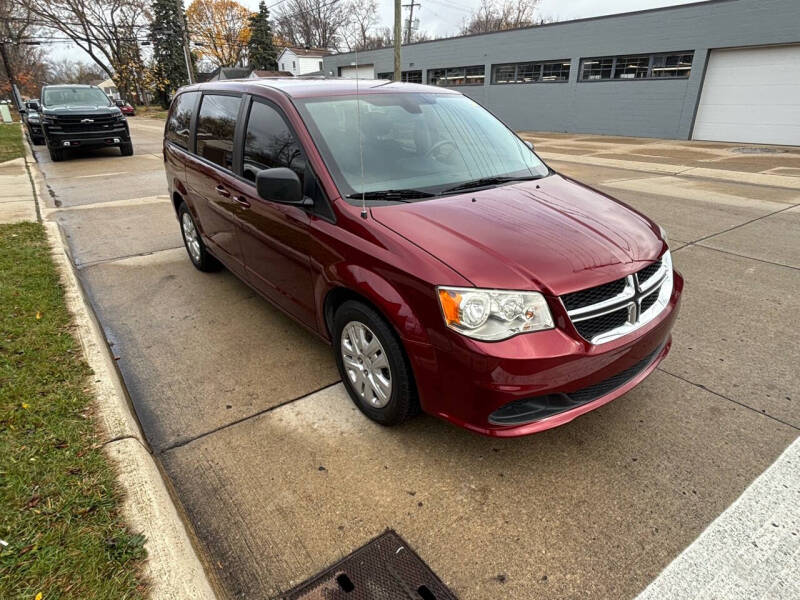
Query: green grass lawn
10	141
62	532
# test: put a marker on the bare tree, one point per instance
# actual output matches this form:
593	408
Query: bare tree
67	70
22	64
362	17
497	15
109	31
313	23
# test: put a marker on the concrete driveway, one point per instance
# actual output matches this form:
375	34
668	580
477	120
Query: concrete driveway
280	476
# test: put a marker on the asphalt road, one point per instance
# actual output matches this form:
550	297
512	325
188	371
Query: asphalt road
280	479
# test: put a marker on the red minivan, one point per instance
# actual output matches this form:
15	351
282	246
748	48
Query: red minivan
451	270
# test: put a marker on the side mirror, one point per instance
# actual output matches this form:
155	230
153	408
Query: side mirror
529	144
280	185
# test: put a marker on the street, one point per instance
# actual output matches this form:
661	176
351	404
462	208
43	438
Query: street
280	475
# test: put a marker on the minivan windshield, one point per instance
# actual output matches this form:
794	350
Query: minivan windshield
415	145
77	96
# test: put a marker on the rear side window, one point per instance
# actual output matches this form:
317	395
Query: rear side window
180	119
270	143
216	124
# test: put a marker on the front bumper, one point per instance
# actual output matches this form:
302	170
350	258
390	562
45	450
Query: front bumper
466	381
35	129
114	136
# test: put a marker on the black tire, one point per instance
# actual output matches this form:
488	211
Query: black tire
203	261
38	141
403	402
56	154
126	149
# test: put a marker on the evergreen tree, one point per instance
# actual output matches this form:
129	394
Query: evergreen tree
261	49
166	34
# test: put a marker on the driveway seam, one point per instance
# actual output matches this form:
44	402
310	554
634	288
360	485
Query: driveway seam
768	262
187	441
711	235
724	397
103	261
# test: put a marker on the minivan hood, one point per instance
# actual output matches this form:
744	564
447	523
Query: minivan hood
554	235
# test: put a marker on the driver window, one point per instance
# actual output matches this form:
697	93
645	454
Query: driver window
269	143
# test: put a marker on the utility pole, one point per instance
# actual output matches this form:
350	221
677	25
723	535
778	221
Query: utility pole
410	19
398	33
186	54
12	80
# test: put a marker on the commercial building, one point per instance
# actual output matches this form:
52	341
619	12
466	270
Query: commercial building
725	70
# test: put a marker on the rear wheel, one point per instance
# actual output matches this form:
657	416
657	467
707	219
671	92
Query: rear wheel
126	149
373	365
195	247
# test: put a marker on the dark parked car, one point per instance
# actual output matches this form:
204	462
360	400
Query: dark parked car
33	122
126	108
448	266
81	116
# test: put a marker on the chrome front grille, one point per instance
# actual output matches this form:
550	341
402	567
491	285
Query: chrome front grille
609	311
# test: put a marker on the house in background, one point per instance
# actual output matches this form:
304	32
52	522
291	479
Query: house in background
301	61
109	87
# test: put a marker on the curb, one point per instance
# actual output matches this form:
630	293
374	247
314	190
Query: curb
172	568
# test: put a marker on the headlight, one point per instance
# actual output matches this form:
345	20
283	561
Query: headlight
493	314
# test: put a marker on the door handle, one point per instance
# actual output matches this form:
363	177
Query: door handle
223	192
241	201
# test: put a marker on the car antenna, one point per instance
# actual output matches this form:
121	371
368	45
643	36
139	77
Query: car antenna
360	143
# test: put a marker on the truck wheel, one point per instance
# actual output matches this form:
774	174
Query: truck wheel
56	154
126	149
38	141
373	365
200	257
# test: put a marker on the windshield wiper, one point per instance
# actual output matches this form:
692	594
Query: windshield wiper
408	194
487	181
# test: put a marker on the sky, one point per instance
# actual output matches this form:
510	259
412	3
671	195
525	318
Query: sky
444	17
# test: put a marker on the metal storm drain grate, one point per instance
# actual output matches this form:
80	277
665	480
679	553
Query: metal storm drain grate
384	569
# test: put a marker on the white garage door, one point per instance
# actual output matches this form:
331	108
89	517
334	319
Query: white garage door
362	71
751	95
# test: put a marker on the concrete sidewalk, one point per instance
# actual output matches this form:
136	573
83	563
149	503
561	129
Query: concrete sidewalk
774	166
17	202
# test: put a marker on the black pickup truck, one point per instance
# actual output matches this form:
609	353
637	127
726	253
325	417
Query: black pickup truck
81	116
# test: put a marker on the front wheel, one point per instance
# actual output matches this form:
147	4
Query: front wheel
195	247
373	365
56	154
126	149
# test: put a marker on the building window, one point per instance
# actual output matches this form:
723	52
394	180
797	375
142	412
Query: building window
406	76
294	66
320	66
632	67
531	72
597	68
669	65
453	76
672	65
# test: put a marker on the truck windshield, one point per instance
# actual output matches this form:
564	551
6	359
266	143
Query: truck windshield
421	143
88	96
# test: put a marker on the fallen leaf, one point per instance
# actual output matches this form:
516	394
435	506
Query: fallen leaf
34	501
38	596
24	405
38	316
